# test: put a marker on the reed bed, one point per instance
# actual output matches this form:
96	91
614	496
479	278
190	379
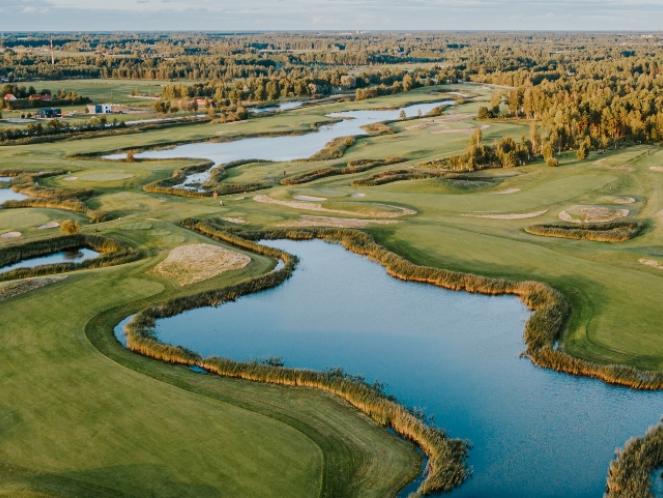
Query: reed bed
112	252
26	182
446	457
629	473
543	330
618	231
334	149
395	176
350	168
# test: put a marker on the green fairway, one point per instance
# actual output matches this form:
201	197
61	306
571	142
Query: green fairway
80	416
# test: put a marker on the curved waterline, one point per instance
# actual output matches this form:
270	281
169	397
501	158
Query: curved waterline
286	147
562	448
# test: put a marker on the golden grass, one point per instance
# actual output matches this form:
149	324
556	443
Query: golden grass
194	263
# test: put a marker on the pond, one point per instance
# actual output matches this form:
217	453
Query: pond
68	256
281	148
7	194
534	433
281	107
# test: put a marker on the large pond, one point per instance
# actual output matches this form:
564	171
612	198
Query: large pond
7	194
68	256
534	433
282	148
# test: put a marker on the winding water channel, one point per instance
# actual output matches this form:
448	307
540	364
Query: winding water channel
69	256
534	433
282	148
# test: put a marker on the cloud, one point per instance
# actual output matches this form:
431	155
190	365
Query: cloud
227	15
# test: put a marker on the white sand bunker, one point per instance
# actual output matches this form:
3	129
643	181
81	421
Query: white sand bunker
329	221
652	263
392	212
657	169
10	235
234	219
508	191
358	195
592	214
621	200
49	225
193	263
309	198
509	216
70	178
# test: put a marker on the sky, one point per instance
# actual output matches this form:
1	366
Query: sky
250	15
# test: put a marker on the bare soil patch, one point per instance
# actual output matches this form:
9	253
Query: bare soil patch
194	263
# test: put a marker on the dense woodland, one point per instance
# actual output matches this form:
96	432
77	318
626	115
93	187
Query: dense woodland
585	90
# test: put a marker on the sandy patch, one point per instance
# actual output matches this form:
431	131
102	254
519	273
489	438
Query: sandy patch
110	176
622	200
508	191
330	221
657	169
509	216
652	263
10	235
623	167
70	178
358	195
50	224
193	263
312	206
236	220
309	198
592	214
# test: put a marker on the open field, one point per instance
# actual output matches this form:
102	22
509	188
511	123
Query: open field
124	425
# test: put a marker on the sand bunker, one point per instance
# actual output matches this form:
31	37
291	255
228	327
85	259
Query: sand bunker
236	220
508	191
395	211
50	224
509	216
309	198
652	263
70	178
10	235
621	200
592	214
102	176
193	263
657	169
358	195
329	221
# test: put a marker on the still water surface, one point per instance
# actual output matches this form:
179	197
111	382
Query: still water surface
69	256
285	147
534	433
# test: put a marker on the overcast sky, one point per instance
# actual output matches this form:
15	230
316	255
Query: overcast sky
229	15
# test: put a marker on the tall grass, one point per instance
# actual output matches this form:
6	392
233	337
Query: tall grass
446	457
543	330
112	252
629	473
616	231
334	149
350	168
26	182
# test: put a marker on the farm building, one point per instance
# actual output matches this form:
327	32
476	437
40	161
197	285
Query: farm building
100	108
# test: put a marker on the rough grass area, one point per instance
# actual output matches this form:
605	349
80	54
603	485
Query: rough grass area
186	265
